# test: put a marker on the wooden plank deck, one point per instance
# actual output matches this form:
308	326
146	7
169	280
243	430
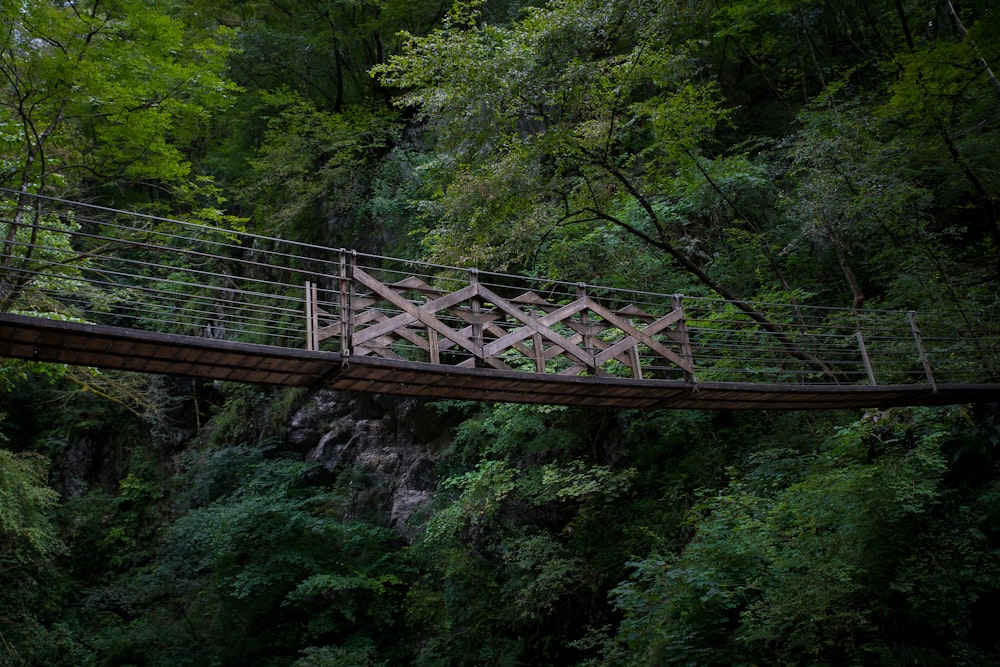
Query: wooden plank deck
146	352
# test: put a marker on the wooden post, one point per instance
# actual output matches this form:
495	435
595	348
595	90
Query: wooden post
588	340
912	316
347	266
633	357
865	358
536	341
685	340
432	346
477	321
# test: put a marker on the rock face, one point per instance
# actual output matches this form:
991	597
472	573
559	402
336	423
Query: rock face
388	446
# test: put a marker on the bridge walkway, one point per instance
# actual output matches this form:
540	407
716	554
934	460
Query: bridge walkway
114	289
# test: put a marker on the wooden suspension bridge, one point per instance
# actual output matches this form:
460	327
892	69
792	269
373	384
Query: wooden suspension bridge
92	286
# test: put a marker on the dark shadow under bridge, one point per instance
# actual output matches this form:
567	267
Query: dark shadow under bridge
92	286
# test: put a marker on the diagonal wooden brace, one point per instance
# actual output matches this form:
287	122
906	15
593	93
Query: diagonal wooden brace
414	313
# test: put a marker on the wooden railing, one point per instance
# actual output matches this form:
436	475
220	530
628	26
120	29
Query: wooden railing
474	326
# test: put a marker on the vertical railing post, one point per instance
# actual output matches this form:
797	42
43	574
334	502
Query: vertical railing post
587	342
314	300
865	358
539	347
684	337
310	314
477	318
345	292
912	317
635	362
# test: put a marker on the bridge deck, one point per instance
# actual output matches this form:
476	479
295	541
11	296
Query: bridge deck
134	350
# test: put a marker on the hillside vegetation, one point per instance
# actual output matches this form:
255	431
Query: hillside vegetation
836	153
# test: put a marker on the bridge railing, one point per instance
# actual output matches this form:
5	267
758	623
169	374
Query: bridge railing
70	260
419	312
842	346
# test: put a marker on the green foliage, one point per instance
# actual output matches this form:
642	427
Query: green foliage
514	552
35	245
249	413
829	153
832	565
564	135
105	90
578	125
510	428
25	501
33	629
306	155
357	654
322	51
311	124
266	565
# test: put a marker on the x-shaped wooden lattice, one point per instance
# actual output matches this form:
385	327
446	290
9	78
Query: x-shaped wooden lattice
490	334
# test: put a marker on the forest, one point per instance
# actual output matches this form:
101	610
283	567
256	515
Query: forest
838	153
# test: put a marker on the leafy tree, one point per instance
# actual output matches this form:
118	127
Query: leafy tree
323	50
854	200
537	511
31	630
308	154
305	139
264	565
109	91
839	562
945	96
558	119
509	560
26	498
